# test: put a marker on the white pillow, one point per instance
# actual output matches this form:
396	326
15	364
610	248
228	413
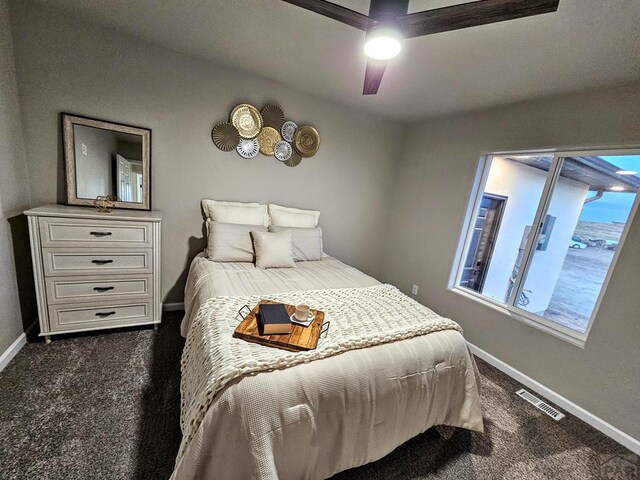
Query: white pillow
293	217
273	250
228	242
307	242
236	212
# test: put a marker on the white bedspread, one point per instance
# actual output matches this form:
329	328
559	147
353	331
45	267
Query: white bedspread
209	279
312	420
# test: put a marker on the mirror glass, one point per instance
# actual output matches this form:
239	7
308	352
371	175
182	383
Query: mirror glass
107	159
108	163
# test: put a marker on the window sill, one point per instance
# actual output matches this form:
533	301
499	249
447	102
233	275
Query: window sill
576	339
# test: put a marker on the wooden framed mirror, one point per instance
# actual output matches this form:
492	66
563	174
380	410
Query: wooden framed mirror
105	158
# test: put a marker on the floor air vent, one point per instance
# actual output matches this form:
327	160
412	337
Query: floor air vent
540	405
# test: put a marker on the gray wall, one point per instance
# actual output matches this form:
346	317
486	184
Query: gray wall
14	196
79	68
130	150
430	199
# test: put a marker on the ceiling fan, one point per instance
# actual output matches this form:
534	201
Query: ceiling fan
388	24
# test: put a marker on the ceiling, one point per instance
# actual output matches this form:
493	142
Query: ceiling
585	44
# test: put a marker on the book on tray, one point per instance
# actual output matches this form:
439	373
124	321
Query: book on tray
273	319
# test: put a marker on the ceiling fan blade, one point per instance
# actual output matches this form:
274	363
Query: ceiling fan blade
337	12
373	76
471	15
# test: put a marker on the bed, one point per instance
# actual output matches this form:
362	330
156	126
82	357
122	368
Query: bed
319	415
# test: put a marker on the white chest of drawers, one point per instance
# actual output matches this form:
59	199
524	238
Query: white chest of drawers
95	270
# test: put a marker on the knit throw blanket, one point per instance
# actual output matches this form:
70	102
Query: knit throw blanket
360	317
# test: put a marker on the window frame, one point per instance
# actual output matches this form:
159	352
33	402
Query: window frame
510	309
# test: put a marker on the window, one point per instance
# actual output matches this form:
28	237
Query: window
544	234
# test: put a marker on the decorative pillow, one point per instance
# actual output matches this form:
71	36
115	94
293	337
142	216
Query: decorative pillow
293	217
273	250
228	242
236	212
307	242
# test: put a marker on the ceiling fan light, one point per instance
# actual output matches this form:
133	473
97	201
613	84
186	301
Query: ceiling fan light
383	43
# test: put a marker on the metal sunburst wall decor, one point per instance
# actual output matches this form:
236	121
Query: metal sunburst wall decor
268	132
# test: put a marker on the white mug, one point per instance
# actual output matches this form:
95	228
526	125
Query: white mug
303	312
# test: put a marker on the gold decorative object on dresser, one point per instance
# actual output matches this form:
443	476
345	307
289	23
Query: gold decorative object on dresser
95	270
105	203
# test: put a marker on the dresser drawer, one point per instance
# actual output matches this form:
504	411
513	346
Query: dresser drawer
85	233
89	289
64	261
76	317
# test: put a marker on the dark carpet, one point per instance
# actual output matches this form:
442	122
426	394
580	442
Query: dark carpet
107	406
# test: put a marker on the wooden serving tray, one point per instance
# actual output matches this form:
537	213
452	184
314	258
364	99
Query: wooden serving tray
300	339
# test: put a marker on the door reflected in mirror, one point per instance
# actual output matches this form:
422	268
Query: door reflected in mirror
106	159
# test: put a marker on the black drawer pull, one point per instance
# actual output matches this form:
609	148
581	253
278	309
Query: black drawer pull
100	234
104	314
103	289
101	262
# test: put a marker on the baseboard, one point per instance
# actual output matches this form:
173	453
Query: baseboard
172	307
596	422
12	351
